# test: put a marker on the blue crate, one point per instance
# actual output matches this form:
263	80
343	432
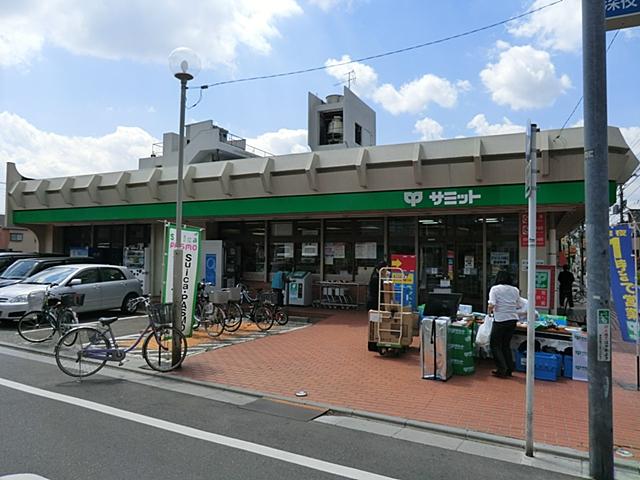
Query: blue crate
547	366
521	361
567	368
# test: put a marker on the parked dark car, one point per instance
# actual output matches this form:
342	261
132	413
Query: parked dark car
26	267
7	258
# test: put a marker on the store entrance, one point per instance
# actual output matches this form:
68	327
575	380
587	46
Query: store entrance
451	258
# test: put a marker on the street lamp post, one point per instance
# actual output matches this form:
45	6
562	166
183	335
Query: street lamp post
185	65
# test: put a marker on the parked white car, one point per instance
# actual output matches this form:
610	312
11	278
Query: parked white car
104	287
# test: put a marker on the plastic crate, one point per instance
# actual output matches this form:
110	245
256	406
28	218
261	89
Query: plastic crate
547	366
567	366
520	361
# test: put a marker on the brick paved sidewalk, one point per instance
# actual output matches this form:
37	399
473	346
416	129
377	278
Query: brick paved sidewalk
330	361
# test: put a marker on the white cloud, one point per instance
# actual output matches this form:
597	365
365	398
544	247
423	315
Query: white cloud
282	142
481	126
139	30
524	78
411	97
415	96
558	27
328	5
40	154
428	129
366	78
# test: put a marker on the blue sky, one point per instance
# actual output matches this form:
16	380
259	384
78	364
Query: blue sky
85	86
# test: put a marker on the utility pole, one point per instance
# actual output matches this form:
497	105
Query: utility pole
596	164
622	204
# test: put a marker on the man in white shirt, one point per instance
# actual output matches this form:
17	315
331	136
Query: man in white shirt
504	302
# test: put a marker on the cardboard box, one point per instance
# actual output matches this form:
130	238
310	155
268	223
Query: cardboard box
383	328
410	318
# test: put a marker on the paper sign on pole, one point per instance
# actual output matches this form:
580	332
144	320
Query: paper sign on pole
190	267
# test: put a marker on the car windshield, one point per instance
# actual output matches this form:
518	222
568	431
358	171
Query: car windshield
19	269
51	275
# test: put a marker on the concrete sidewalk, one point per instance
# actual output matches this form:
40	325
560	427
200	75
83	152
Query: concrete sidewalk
329	360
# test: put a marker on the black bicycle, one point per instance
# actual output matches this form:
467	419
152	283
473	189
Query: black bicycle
51	314
254	309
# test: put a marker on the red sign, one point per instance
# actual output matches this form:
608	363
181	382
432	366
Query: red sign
541	230
405	262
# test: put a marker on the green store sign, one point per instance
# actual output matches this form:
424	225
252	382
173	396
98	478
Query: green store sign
560	193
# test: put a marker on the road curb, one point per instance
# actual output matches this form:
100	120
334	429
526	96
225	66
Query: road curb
559	451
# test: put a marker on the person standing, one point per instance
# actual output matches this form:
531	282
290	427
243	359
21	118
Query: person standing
566	279
504	301
278	282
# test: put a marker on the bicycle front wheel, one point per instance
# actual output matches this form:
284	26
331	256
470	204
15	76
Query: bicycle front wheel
82	351
263	318
214	322
158	348
234	317
36	326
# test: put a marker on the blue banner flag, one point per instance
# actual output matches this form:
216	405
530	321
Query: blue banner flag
623	280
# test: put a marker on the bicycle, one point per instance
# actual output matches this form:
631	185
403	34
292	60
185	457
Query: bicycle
280	315
84	350
254	310
228	300
51	314
207	314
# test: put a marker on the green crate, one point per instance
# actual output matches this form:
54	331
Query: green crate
463	370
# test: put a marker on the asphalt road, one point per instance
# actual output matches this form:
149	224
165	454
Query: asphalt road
105	428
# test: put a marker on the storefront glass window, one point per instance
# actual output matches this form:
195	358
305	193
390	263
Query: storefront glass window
502	246
402	234
295	245
244	247
338	248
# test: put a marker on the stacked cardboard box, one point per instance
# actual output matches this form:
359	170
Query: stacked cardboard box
392	328
460	349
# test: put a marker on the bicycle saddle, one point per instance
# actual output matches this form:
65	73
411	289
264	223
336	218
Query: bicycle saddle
107	320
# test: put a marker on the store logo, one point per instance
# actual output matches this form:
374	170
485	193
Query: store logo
413	198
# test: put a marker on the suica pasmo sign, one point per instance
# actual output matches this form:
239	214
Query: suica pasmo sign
191	255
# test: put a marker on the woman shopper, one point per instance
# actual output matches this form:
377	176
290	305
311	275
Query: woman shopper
504	301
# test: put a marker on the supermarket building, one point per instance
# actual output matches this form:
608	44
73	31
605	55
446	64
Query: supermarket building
457	204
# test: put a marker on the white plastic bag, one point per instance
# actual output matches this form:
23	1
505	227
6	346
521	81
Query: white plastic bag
484	332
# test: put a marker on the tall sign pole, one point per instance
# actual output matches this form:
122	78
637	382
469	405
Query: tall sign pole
596	165
531	171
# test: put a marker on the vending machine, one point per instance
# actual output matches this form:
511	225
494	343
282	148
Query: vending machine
137	258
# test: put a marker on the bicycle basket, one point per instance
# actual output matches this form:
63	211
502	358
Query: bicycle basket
234	294
72	299
268	297
219	297
36	300
161	314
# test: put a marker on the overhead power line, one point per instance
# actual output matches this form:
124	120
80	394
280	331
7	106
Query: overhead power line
381	55
582	96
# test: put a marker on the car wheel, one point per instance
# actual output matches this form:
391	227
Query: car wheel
127	307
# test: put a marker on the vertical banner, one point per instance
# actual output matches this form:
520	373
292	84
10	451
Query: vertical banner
623	280
541	230
545	286
191	260
210	268
408	264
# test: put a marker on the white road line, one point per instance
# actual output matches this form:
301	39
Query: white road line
308	462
